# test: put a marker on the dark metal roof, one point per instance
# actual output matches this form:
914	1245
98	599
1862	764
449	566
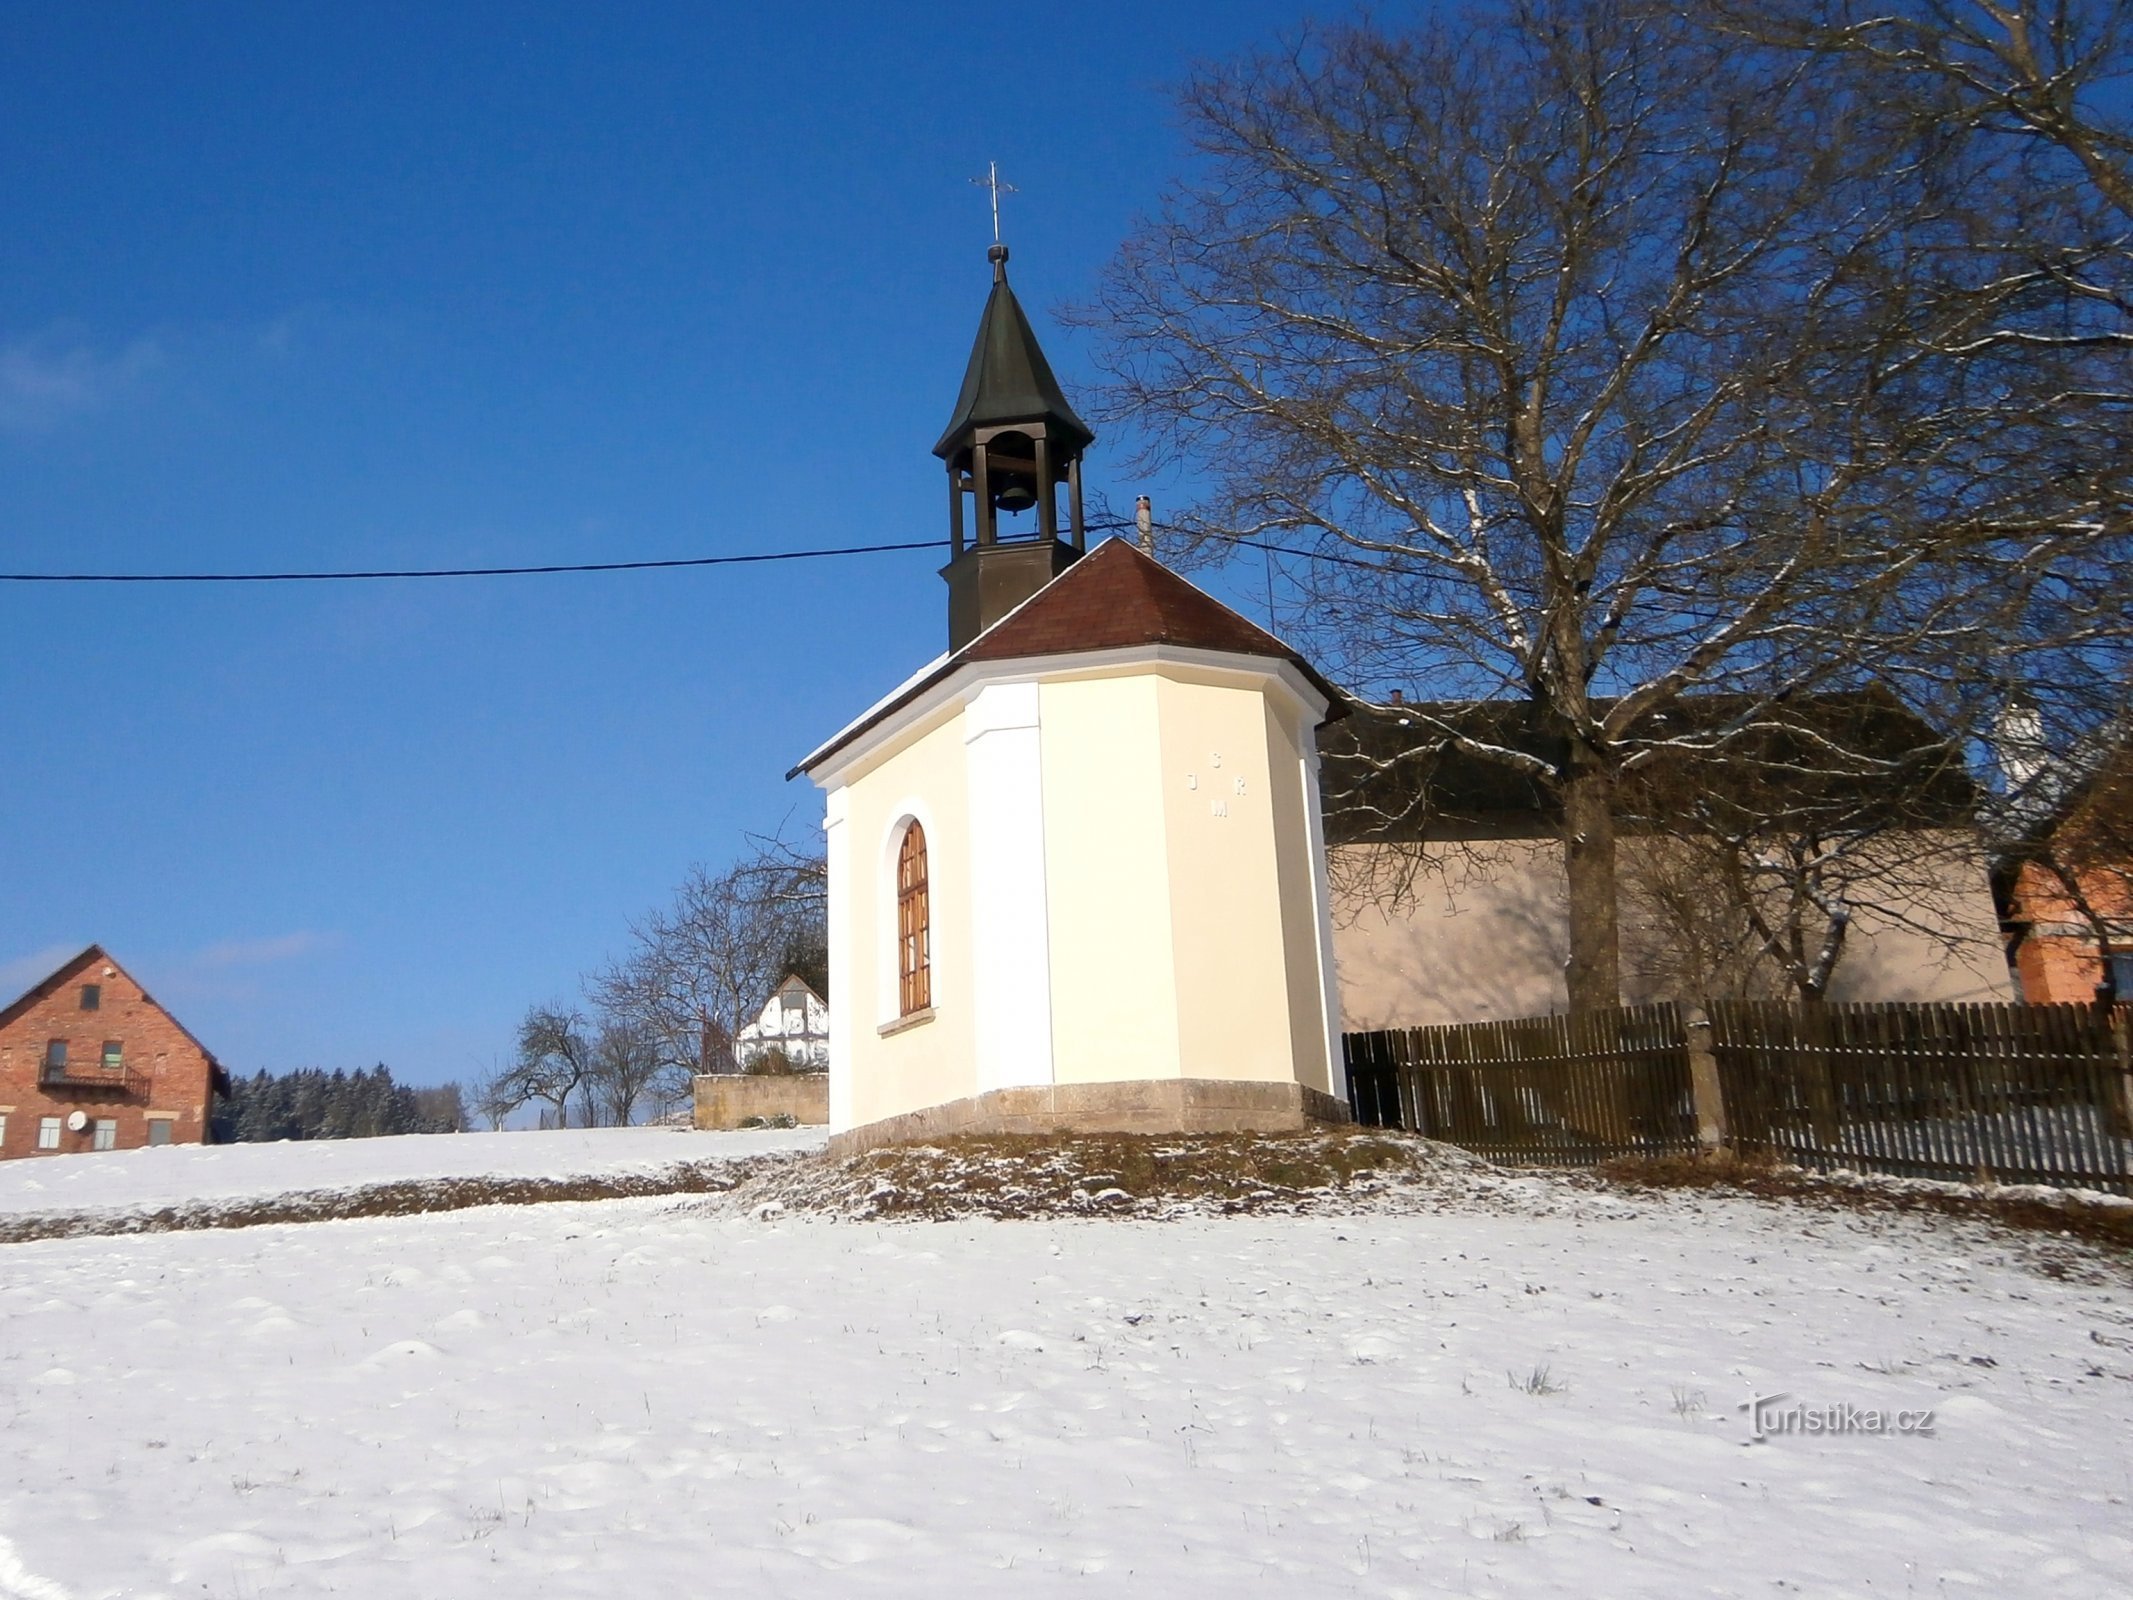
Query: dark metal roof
1008	379
1391	774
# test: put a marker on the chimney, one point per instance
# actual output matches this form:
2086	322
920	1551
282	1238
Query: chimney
1144	524
1398	697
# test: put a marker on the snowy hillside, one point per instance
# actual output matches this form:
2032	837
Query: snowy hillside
662	1397
176	1175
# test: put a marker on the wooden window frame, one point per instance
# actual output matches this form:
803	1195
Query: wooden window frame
914	923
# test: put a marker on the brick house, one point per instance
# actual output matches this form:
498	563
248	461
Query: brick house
89	1061
2066	886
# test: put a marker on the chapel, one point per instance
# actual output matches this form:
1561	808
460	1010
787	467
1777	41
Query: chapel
1077	874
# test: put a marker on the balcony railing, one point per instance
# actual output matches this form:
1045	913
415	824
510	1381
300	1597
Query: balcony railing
116	1078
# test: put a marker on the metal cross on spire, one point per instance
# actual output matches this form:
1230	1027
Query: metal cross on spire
991	181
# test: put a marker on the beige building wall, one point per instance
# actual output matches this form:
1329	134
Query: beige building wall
1483	935
1478	934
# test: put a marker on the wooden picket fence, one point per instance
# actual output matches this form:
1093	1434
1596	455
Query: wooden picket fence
2022	1094
1541	1091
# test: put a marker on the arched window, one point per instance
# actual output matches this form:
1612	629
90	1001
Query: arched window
914	924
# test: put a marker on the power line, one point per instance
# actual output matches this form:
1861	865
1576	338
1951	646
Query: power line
461	572
1095	524
1101	524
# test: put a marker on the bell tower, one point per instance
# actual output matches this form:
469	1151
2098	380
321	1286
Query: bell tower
1011	445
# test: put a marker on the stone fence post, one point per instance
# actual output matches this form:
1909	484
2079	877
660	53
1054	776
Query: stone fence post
1703	1079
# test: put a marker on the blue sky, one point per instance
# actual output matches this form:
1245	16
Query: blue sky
297	286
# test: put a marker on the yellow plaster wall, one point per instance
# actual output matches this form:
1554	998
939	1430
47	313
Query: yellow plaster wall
1220	783
1106	879
934	1061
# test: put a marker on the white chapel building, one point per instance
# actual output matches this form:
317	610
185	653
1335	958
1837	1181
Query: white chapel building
1077	877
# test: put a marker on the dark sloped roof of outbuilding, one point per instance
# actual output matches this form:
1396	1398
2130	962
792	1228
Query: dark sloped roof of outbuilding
1113	598
1008	379
1394	773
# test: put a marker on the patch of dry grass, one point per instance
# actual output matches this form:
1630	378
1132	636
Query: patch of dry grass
411	1197
1132	1175
2100	1222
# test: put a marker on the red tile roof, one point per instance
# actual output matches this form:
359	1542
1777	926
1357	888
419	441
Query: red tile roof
1115	596
1112	598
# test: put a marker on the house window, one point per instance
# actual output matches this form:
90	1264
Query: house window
92	997
106	1135
3	1133
914	924
114	1055
48	1133
55	1055
2122	977
158	1130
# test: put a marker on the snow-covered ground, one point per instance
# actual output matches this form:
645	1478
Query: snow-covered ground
657	1397
144	1180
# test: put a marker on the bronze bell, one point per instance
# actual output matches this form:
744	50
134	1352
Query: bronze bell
1016	494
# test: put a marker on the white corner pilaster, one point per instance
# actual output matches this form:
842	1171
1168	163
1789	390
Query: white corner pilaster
846	1019
1010	918
1329	988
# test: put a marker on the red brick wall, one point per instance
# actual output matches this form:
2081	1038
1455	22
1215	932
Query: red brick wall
2057	959
166	1071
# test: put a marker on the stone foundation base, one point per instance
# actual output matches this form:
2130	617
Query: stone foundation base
1161	1105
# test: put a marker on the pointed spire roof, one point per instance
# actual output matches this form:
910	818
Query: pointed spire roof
1008	379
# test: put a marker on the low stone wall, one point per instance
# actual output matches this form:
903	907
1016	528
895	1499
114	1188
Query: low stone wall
1167	1105
728	1099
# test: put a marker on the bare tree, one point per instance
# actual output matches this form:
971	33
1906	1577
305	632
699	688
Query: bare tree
1750	872
496	1096
627	1067
554	1061
443	1108
700	968
2049	71
1595	359
2040	86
